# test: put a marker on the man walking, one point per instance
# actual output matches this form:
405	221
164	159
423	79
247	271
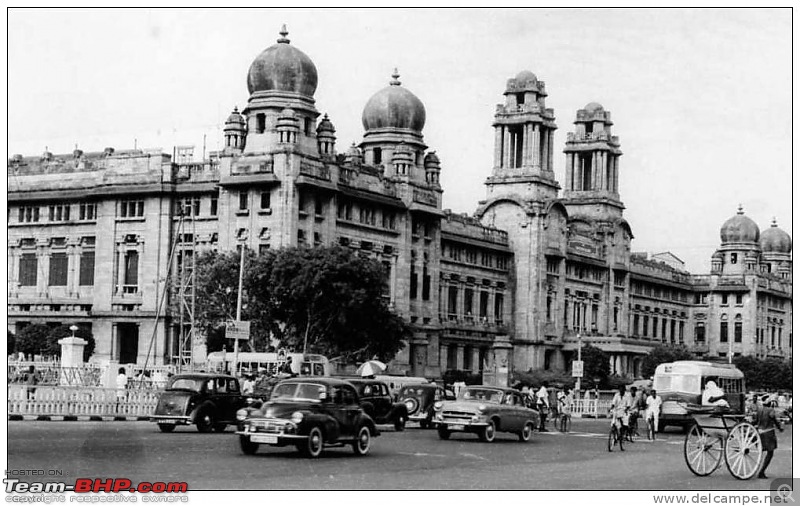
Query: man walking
767	422
543	405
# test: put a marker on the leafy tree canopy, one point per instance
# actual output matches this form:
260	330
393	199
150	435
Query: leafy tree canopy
32	340
323	300
664	354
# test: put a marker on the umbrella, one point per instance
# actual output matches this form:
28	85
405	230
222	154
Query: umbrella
371	368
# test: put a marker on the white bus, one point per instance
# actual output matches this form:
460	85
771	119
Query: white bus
682	382
308	364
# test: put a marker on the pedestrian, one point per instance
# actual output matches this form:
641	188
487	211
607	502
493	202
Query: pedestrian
543	405
566	408
653	409
122	385
248	385
286	368
766	422
30	379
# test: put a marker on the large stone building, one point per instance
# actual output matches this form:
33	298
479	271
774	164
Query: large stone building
92	236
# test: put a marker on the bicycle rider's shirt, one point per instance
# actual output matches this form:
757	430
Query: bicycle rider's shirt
620	404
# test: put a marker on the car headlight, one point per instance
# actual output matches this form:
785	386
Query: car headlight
438	405
297	417
482	408
476	418
241	414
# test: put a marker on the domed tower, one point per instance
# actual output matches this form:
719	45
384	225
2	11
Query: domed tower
523	147
235	131
432	168
281	77
591	181
739	236
326	138
776	251
394	116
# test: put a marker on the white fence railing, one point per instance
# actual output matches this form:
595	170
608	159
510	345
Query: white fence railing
80	401
594	408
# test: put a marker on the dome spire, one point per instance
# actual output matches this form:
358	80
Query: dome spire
741	209
284	32
395	78
774	222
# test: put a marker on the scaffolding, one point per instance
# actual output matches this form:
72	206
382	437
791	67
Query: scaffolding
183	287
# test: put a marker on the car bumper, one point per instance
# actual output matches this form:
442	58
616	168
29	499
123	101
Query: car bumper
176	420
418	417
460	426
272	439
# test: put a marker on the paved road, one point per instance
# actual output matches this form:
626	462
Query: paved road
414	459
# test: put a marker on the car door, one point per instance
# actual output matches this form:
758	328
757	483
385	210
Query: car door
344	408
381	400
233	399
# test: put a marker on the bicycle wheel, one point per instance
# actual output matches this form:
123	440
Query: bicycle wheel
743	451
615	437
651	430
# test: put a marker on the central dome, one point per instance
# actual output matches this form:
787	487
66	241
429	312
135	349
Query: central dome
394	107
282	67
739	229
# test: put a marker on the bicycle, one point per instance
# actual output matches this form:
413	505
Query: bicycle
616	436
632	432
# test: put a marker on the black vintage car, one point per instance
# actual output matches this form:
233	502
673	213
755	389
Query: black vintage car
310	413
210	401
376	401
420	401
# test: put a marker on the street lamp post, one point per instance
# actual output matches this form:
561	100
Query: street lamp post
578	383
238	310
73	328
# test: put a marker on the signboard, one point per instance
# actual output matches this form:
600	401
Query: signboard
577	369
238	330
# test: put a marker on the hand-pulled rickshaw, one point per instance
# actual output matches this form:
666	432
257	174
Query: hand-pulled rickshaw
717	434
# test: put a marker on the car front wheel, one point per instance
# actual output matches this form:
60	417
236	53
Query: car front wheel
166	427
314	444
525	433
205	421
400	423
248	447
362	442
488	433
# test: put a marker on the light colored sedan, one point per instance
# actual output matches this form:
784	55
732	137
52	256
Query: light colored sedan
486	410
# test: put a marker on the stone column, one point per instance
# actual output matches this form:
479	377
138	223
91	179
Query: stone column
392	279
43	268
612	363
537	162
476	357
506	147
525	145
502	349
601	177
545	150
460	357
120	270
72	269
550	151
616	174
498	146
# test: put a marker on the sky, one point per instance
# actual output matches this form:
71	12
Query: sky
701	99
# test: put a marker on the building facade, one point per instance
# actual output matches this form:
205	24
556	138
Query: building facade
106	239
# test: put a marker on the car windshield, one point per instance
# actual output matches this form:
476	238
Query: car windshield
193	384
481	394
413	391
298	392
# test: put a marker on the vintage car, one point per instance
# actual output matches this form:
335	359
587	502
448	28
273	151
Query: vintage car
310	413
210	401
376	401
485	410
420	400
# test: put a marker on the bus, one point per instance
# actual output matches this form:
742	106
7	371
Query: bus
308	364
682	382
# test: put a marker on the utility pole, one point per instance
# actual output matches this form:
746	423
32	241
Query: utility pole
238	310
578	383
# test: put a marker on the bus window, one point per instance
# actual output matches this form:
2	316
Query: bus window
319	369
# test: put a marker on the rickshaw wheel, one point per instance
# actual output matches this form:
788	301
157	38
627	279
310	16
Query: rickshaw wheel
743	451
702	451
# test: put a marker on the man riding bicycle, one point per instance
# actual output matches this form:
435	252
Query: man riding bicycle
619	408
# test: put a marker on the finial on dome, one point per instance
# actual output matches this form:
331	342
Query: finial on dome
395	78
284	32
741	209
774	222
236	109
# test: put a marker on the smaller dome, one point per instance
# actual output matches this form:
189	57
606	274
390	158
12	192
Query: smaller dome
325	125
593	106
775	240
432	159
739	229
394	107
235	117
402	154
525	76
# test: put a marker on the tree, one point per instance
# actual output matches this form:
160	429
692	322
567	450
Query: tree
32	340
57	333
324	300
595	364
11	342
661	354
